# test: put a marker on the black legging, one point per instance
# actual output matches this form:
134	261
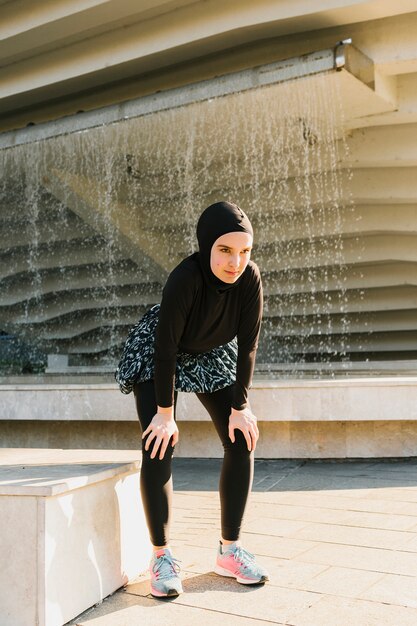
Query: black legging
236	474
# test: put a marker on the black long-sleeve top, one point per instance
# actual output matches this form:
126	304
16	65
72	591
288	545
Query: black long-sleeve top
194	318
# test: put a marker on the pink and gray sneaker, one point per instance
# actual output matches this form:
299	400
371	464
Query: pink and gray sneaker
238	563
165	579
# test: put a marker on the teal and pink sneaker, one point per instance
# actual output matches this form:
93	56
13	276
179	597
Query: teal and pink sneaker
238	563
165	579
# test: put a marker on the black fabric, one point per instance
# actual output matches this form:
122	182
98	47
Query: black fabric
217	220
195	319
155	475
236	475
199	311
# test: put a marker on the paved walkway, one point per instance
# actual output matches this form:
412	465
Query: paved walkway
338	538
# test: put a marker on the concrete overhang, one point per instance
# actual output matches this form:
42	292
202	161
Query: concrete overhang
59	49
362	91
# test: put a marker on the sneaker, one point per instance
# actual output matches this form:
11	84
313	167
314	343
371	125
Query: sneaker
238	563
165	579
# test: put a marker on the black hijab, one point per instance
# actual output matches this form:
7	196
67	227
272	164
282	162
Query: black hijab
217	220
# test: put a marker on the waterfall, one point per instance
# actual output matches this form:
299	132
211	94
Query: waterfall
93	221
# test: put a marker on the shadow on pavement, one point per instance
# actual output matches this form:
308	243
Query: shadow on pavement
196	474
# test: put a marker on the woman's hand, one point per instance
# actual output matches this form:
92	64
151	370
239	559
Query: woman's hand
161	428
246	422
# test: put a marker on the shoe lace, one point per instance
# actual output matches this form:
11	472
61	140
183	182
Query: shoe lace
166	566
244	556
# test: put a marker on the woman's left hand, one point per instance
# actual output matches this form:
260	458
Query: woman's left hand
245	421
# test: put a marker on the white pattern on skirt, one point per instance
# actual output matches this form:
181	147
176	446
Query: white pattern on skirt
205	372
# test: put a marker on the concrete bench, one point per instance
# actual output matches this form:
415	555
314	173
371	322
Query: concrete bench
72	532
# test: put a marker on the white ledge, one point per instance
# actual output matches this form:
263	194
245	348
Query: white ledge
348	381
343	399
51	480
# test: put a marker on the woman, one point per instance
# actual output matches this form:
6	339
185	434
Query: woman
203	338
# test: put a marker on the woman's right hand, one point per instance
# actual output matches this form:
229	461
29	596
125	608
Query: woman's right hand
162	427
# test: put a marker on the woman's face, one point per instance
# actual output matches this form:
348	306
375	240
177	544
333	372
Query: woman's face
230	255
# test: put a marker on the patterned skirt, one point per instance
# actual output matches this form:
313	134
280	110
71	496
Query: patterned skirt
205	372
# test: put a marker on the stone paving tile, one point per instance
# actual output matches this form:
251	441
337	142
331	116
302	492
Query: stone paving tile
399	494
209	499
372	559
392	494
336	611
277	604
405	466
333	533
337	465
328	516
392	471
274	526
405	476
393	589
341	534
344	501
281	547
300	481
340	474
380	520
342	581
275	465
261	510
292	574
125	609
411	546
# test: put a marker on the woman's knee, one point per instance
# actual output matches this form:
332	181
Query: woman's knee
156	461
237	447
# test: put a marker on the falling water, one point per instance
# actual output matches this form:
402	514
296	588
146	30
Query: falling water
103	215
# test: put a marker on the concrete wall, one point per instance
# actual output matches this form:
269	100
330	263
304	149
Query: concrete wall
286	440
374	417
